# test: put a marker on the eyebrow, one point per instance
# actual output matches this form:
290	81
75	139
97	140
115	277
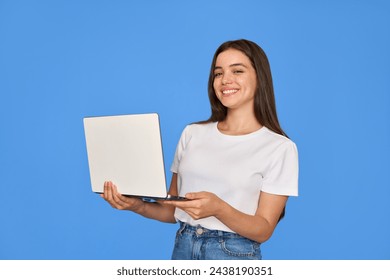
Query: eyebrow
232	65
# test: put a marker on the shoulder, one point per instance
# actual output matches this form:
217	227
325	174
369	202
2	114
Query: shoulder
196	131
276	137
278	142
199	128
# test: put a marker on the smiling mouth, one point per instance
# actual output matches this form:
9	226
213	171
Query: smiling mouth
229	92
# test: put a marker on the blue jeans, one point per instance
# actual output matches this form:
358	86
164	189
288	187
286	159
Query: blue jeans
198	243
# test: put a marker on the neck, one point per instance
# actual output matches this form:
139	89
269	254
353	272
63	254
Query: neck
238	123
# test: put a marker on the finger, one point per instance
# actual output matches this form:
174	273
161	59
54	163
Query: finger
191	196
120	200
116	195
104	190
193	213
104	194
107	190
196	195
109	194
179	204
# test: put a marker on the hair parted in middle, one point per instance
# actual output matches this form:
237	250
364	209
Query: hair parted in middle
264	103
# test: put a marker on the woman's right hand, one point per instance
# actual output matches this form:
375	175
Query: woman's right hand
121	202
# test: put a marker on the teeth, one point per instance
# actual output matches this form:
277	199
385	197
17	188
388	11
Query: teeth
230	91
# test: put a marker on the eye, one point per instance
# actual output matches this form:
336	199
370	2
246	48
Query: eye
217	74
238	71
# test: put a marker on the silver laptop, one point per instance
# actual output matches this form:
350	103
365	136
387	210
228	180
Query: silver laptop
127	150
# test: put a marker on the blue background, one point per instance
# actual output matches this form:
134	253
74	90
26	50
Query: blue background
63	60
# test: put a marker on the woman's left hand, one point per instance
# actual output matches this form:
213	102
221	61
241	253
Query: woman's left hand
199	204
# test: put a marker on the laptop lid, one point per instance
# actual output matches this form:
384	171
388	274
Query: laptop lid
126	150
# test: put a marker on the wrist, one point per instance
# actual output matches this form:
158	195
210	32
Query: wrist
139	207
221	209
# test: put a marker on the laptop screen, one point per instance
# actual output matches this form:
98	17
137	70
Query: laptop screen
126	150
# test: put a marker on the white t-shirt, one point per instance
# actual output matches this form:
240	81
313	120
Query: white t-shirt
235	168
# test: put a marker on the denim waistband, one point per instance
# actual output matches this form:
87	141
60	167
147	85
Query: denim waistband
205	232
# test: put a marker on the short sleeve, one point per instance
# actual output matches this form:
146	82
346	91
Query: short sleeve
282	176
184	138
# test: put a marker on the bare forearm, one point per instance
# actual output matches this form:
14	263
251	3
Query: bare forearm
157	211
257	227
250	226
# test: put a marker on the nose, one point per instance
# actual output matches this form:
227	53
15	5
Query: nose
226	79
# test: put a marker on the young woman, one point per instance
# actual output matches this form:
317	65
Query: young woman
237	169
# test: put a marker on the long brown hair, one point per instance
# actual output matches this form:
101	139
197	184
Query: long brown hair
264	103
